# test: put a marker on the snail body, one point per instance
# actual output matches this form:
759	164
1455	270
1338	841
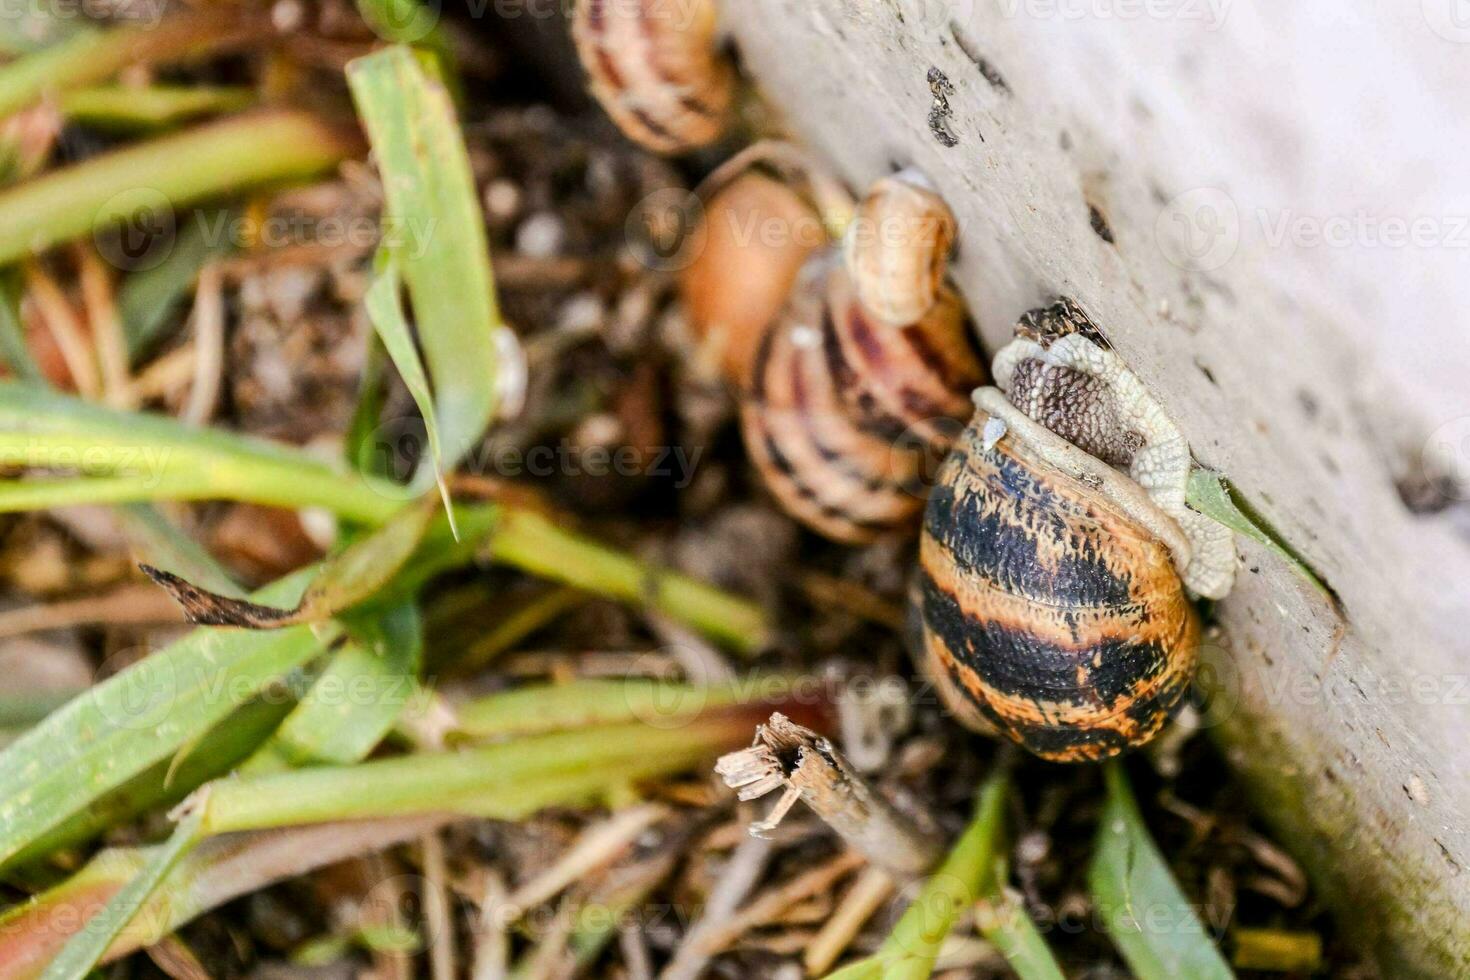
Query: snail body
657	69
1053	600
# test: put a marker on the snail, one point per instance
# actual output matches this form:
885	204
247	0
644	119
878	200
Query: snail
657	69
1058	559
840	411
897	247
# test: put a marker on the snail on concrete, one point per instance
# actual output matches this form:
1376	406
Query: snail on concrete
841	410
1058	559
657	69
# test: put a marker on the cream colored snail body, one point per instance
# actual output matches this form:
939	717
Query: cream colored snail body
840	411
1058	557
657	69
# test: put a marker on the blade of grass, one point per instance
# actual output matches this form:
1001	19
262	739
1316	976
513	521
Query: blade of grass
1211	495
386	313
86	948
149	299
138	718
157	542
152	457
434	228
359	446
129	108
161	459
355	700
213	873
910	951
578	704
212	160
91	55
13	346
534	543
1145	914
349	578
1004	923
166	782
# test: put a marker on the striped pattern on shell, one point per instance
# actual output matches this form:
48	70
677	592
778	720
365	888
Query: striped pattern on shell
1060	620
844	417
656	69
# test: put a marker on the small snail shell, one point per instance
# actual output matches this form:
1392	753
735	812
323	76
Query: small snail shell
842	415
897	247
741	277
657	70
1051	601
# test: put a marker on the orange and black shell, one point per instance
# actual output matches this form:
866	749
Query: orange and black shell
838	412
1061	620
657	70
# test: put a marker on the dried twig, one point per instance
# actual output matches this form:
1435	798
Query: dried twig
128	604
786	755
438	918
209	346
100	301
492	942
871	890
771	904
597	846
739	876
66	329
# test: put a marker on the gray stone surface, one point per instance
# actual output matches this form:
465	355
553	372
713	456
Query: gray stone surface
1289	272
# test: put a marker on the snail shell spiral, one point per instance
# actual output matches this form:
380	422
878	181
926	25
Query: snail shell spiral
657	69
844	417
1058	559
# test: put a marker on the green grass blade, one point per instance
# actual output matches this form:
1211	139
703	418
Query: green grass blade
157	542
13	346
131	184
88	55
1146	915
507	781
355	700
149	457
142	716
910	951
349	578
128	109
1211	495
385	311
86	949
434	228
1004	922
148	300
153	457
166	782
581	703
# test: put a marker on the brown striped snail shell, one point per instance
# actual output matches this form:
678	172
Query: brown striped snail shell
898	246
740	280
842	415
1053	599
657	69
